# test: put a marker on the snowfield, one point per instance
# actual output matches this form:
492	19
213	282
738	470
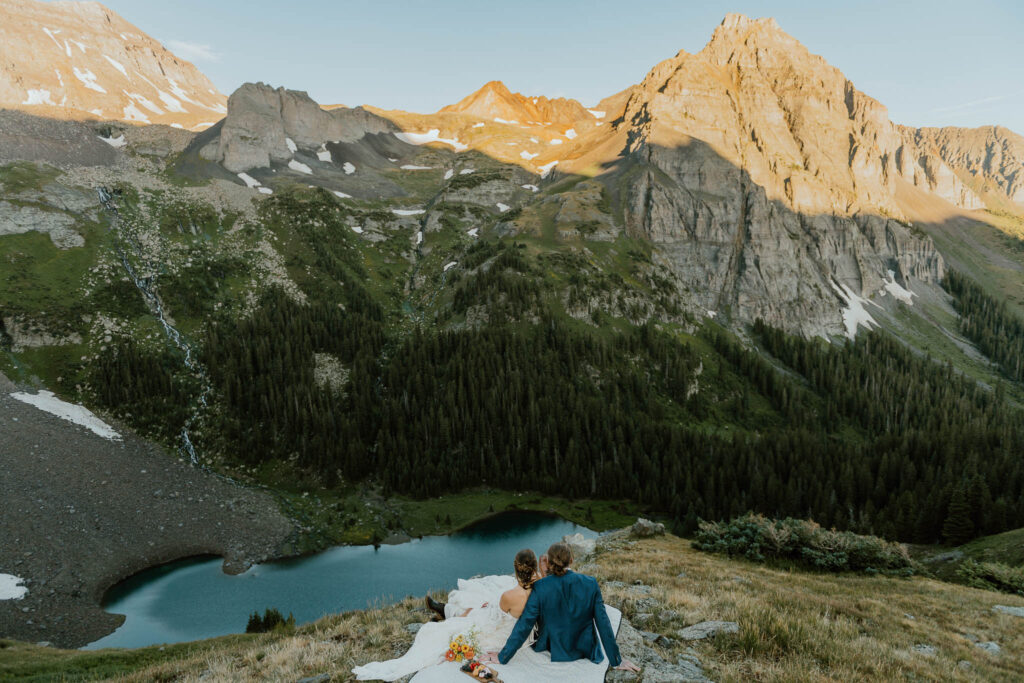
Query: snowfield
546	169
432	135
133	113
901	294
324	154
300	167
408	212
503	207
342	195
291	145
571	133
531	188
38	97
249	181
448	174
11	588
526	155
88	79
854	314
116	143
411	167
597	114
349	168
80	415
448	266
117	65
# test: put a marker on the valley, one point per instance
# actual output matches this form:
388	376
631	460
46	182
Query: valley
734	286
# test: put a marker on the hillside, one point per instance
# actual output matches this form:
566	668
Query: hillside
793	625
80	60
734	286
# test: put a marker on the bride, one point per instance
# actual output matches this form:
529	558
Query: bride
488	605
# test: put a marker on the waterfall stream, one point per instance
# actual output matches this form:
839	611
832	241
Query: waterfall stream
145	286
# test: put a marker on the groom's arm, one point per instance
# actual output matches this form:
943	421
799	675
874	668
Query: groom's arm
522	628
604	628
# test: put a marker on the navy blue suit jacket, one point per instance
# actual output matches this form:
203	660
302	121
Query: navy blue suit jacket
571	615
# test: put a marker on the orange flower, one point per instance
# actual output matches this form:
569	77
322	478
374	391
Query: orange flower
470	654
449	655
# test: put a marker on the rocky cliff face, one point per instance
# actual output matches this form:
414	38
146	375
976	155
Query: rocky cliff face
769	181
991	156
265	125
81	60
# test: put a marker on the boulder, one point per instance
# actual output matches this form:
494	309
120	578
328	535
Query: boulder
708	629
645	528
1005	609
926	650
990	647
581	547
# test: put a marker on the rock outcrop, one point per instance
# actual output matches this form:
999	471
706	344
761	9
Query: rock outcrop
265	125
81	60
991	156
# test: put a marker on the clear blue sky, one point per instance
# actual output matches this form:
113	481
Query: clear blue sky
937	62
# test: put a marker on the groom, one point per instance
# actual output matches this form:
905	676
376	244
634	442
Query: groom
567	605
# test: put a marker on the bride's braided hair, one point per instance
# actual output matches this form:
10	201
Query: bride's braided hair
526	568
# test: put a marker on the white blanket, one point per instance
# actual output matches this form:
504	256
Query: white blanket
426	656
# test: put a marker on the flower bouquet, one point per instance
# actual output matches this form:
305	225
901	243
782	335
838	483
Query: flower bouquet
461	648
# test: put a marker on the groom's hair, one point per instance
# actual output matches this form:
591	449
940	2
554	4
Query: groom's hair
559	558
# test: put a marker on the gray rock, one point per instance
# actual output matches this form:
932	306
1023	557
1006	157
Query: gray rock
581	547
926	650
990	647
708	629
413	628
645	528
320	678
1005	609
16	220
964	665
44	643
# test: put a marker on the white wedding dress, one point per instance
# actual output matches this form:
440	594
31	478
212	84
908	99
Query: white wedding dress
493	626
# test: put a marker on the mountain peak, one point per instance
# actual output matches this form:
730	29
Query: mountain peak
495	101
77	60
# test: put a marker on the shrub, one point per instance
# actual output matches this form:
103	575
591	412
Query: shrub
803	542
992	576
272	620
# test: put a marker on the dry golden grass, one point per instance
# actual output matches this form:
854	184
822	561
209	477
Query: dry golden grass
794	626
801	626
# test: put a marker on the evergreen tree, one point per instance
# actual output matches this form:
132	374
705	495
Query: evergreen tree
958	527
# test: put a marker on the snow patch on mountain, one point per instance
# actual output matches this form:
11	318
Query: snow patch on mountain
300	167
38	97
855	314
88	79
80	415
432	135
116	143
11	588
117	65
900	294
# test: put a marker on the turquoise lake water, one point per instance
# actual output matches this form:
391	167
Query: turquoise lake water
194	599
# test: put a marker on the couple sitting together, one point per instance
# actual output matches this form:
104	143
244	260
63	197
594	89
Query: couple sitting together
501	612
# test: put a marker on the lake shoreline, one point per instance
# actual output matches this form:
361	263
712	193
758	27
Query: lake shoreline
338	580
